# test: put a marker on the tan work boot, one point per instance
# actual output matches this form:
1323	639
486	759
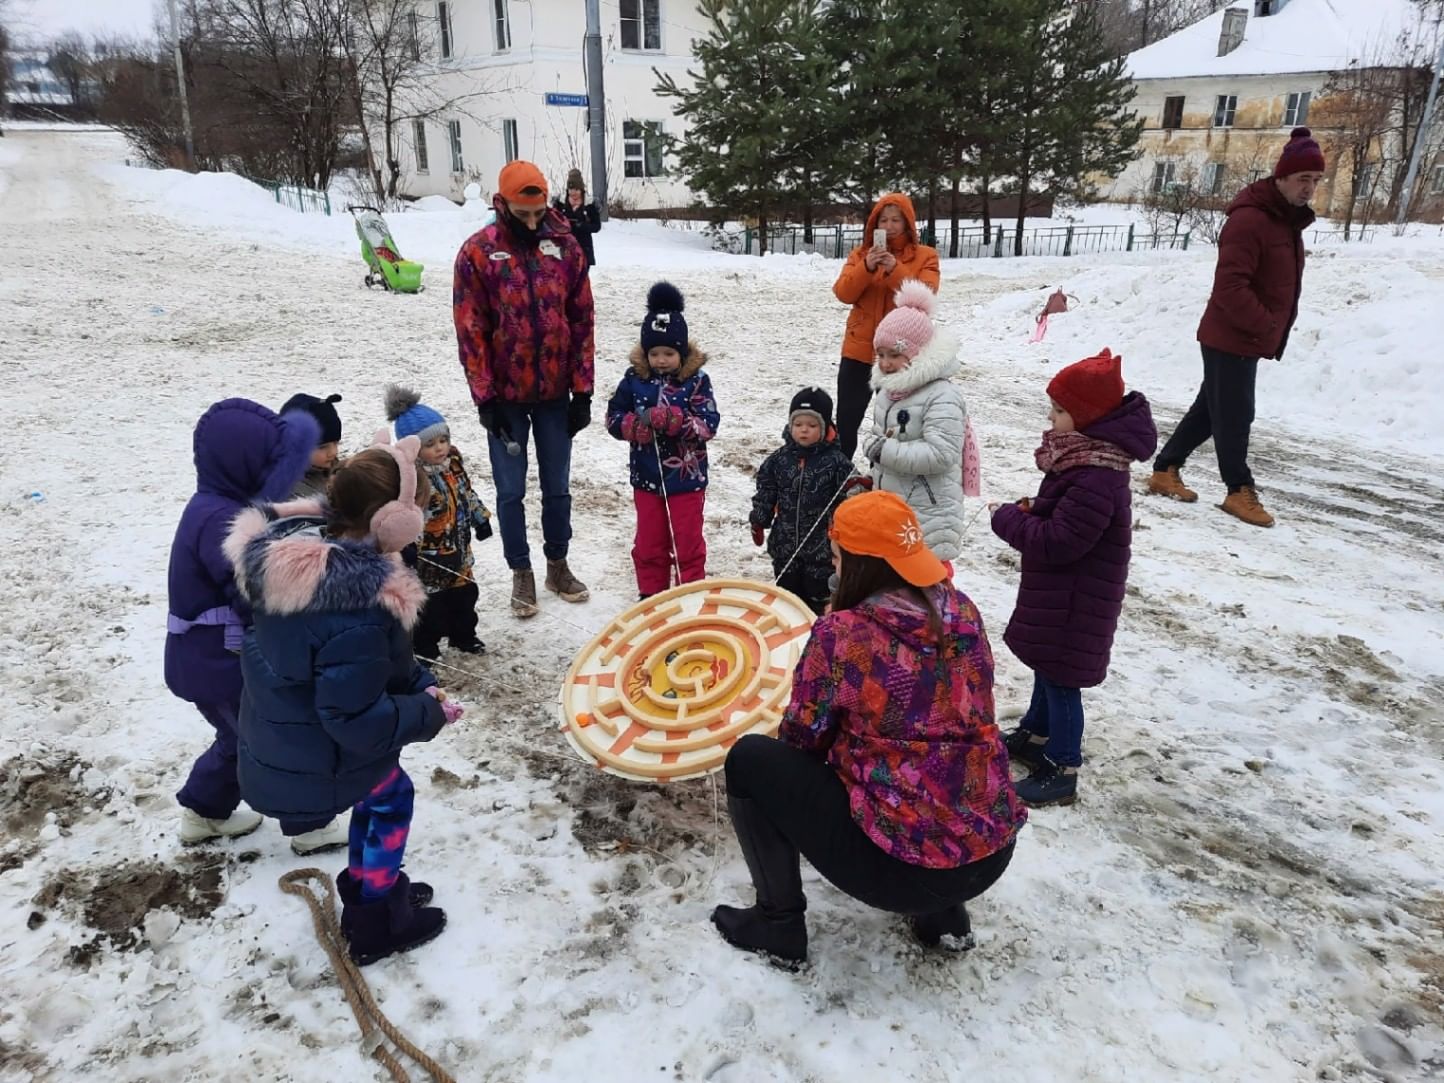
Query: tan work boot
1245	505
1168	483
560	580
523	592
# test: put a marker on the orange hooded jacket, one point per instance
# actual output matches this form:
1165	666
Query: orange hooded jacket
870	293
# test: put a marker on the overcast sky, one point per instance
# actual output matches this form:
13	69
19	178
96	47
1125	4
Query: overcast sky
46	18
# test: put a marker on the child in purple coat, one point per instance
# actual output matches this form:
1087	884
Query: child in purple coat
1075	538
243	453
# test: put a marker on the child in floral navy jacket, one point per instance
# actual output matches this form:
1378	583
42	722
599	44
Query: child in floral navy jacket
798	486
453	510
664	408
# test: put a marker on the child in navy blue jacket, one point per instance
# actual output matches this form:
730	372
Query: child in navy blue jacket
332	690
664	408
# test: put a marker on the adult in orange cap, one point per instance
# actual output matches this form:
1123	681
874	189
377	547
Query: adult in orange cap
522	306
888	773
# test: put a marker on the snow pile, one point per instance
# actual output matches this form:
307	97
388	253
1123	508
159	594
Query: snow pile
434	205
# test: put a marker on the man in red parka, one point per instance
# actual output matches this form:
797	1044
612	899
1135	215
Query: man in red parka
1253	306
522	305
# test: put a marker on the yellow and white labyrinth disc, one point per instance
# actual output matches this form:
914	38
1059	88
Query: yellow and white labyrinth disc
667	688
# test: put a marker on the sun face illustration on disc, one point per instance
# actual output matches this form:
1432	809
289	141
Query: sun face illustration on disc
672	682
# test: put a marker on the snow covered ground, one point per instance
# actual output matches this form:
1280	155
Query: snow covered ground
1248	890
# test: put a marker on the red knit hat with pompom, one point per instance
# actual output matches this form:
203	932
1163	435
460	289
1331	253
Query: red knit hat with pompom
1089	389
1301	155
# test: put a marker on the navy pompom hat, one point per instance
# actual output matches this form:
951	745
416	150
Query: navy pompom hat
411	417
1302	154
323	410
664	325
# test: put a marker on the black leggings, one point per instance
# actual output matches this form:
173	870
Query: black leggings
807	803
854	392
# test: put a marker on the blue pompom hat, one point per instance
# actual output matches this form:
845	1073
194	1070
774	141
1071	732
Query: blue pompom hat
664	325
411	417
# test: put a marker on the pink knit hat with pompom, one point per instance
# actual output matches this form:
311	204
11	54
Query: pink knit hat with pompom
909	327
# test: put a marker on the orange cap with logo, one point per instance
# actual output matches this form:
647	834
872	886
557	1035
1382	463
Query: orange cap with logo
882	525
517	176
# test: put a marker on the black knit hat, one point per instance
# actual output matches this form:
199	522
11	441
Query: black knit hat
663	324
324	413
814	401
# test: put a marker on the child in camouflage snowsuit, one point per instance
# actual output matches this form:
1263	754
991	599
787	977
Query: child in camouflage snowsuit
798	486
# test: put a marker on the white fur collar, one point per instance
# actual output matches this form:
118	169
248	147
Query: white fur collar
938	360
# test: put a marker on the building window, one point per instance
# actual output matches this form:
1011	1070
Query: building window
413	34
503	26
1173	112
1364	182
1163	173
641	24
1436	185
643	149
1213	178
443	19
453	130
510	145
1296	109
418	137
1224	109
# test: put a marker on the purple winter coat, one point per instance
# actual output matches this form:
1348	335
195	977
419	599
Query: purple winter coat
243	453
1076	542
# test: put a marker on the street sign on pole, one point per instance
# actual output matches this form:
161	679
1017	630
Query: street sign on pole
568	99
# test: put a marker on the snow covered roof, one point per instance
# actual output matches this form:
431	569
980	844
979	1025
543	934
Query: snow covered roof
1305	36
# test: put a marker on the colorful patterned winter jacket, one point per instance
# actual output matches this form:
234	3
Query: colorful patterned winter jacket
907	722
452	512
523	313
332	690
243	452
688	392
797	489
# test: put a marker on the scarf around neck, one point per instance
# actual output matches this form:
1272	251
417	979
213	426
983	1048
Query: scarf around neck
1064	450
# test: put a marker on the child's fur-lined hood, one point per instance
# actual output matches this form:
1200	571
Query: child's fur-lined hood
938	360
284	564
691	364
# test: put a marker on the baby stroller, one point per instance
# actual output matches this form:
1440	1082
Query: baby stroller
385	266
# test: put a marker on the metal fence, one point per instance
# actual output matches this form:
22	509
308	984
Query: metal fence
835	242
305	200
1357	235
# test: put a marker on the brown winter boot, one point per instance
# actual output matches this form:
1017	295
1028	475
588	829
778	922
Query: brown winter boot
560	580
1168	483
523	592
1245	505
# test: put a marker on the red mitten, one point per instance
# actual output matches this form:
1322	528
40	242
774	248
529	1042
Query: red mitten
758	537
635	430
667	420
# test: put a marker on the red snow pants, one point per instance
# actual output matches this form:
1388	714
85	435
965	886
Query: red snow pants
654	545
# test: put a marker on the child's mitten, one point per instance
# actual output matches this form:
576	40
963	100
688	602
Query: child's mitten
636	430
758	535
667	420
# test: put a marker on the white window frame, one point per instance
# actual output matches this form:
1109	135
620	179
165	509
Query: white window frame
453	134
634	150
1165	170
1368	172
1296	108
639	24
510	140
501	24
1436	183
1213	174
413	34
418	146
1257	175
1225	109
1181	102
443	20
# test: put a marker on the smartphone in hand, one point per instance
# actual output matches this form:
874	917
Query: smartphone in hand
879	240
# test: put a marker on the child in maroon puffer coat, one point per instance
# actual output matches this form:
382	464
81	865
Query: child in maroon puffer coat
1075	538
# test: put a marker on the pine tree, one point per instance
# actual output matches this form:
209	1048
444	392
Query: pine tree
754	108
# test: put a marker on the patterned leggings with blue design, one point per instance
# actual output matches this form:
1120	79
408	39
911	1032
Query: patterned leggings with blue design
380	824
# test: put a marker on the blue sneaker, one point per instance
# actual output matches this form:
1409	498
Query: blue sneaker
1049	784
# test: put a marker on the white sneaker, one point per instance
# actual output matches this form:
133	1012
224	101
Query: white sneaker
196	829
331	837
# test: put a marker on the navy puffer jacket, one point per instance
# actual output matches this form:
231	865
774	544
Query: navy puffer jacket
332	691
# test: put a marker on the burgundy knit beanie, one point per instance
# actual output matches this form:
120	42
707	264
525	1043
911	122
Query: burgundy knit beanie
1089	389
1301	155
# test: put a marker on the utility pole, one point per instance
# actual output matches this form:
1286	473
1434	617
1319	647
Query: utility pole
180	76
596	104
1406	197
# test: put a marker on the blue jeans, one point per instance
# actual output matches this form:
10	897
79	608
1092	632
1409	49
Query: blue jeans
1057	714
548	420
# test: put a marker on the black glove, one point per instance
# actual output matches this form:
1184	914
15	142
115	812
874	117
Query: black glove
579	412
486	413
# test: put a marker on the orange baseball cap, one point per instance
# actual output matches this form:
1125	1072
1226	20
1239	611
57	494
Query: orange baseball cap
882	525
518	175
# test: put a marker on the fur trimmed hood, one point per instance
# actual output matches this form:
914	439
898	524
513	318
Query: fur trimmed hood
691	364
284	564
938	360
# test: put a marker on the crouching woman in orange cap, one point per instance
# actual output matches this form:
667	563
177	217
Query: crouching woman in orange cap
888	774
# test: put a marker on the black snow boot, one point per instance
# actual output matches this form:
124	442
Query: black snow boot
350	891
929	929
1023	749
385	926
775	926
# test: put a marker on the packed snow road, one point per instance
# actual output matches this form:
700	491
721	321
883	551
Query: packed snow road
1248	889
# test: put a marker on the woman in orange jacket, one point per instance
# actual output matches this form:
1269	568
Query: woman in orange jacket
869	279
